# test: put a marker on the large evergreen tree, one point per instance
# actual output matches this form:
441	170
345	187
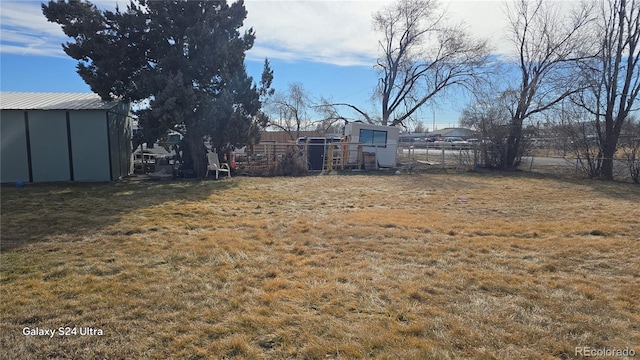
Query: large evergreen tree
185	57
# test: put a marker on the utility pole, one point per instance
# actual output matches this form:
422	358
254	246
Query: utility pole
433	111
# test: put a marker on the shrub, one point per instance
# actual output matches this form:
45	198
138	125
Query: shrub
292	163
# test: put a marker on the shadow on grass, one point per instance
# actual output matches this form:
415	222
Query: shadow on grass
614	189
39	212
621	190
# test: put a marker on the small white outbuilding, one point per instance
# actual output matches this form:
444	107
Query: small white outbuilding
378	140
63	137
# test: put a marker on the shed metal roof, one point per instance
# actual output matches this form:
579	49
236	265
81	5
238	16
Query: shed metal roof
53	101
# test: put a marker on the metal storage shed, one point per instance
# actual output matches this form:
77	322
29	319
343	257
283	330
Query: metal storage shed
63	137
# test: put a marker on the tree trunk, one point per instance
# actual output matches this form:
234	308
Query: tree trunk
385	114
510	154
608	151
608	148
197	149
606	170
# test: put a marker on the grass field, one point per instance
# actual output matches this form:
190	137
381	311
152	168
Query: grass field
440	266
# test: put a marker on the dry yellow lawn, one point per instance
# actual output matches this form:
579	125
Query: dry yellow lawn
445	266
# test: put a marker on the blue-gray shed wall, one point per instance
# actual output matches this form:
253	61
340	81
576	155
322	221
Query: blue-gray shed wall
90	148
59	145
49	146
14	164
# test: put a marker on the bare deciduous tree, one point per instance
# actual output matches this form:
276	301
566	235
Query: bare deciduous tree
630	143
579	129
331	119
613	76
549	46
419	128
290	110
421	57
490	118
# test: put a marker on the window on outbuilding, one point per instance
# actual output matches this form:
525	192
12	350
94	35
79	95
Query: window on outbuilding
373	137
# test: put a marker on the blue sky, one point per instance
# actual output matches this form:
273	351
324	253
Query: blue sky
327	46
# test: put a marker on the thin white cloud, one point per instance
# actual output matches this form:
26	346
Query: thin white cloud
27	15
33	50
25	31
259	52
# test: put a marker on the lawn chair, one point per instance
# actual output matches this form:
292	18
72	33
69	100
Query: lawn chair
214	165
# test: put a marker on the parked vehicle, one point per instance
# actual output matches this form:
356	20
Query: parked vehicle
453	143
538	143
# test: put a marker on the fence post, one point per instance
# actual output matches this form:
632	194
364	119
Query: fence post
410	159
475	155
264	151
329	158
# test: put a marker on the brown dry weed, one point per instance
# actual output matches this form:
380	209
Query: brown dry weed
478	266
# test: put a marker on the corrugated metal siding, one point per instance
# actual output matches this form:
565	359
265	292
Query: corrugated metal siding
53	101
